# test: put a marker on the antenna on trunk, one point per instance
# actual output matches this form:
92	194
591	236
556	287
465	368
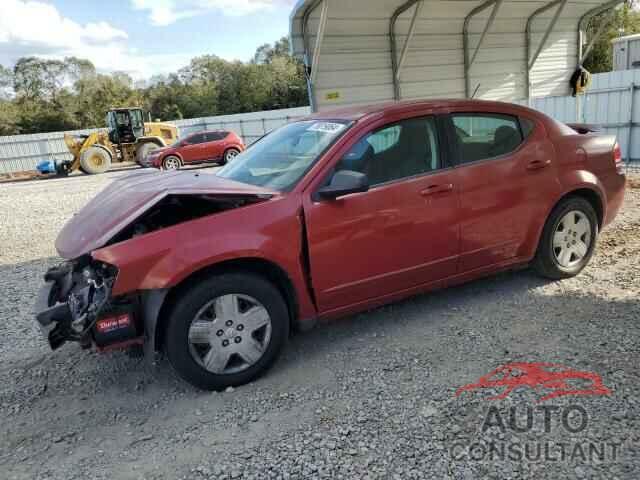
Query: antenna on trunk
475	91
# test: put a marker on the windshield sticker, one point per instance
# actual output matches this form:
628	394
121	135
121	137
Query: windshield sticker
326	127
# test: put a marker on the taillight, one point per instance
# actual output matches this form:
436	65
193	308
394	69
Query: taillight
617	157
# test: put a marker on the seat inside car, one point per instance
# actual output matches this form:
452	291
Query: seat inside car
411	155
506	140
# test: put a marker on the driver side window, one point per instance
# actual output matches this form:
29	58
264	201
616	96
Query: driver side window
400	150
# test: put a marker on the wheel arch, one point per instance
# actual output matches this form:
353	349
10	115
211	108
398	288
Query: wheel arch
588	192
259	266
591	195
232	147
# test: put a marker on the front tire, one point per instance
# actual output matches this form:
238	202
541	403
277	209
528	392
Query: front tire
568	239
95	160
171	163
226	330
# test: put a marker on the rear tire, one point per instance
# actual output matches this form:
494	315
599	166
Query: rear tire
171	162
95	160
568	239
145	149
229	155
226	330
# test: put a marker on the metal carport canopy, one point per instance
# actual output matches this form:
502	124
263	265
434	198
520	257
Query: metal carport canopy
366	51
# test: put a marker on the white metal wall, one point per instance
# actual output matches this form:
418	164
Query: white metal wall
23	152
355	60
626	52
612	102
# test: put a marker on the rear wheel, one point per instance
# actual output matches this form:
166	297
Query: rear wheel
568	239
95	160
226	330
145	149
230	155
171	163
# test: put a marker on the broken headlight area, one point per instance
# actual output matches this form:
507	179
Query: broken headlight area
177	209
75	304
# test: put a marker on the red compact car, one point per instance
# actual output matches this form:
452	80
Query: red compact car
216	147
326	216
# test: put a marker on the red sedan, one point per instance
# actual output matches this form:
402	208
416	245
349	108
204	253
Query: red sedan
326	216
216	147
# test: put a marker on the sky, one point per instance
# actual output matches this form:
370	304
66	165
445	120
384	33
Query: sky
140	37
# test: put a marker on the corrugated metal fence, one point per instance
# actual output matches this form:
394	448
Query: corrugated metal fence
23	152
612	102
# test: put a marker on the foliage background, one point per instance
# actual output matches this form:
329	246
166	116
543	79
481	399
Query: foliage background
43	95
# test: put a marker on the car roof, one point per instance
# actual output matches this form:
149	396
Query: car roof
358	112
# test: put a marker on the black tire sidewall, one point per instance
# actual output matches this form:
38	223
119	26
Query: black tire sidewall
546	260
224	157
191	301
171	156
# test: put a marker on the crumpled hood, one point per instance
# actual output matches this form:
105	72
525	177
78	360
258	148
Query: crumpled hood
126	198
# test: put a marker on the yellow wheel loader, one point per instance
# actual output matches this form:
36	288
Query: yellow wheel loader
128	139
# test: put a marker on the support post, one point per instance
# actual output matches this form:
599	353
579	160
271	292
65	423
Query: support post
529	60
582	25
468	62
394	48
319	39
412	29
306	58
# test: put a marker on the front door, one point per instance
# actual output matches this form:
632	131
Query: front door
402	233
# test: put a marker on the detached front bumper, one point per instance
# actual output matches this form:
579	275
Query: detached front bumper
75	305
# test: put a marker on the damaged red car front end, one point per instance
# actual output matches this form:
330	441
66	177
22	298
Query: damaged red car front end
145	234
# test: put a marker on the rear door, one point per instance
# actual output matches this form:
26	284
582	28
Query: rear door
506	179
400	234
215	145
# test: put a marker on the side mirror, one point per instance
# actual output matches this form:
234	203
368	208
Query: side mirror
343	183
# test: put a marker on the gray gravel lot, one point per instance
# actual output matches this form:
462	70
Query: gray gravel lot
370	396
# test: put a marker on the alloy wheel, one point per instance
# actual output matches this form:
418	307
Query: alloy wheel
231	154
172	163
572	239
230	334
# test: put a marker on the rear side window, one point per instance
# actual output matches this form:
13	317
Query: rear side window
527	127
484	136
215	136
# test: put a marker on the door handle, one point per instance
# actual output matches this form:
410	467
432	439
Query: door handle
538	164
434	189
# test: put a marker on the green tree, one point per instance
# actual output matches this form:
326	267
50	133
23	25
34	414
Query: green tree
41	95
623	21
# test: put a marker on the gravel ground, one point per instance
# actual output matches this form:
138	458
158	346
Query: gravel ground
371	396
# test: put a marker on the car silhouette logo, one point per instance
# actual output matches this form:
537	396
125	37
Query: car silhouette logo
561	380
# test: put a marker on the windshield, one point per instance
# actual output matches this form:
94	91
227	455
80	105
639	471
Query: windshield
280	159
